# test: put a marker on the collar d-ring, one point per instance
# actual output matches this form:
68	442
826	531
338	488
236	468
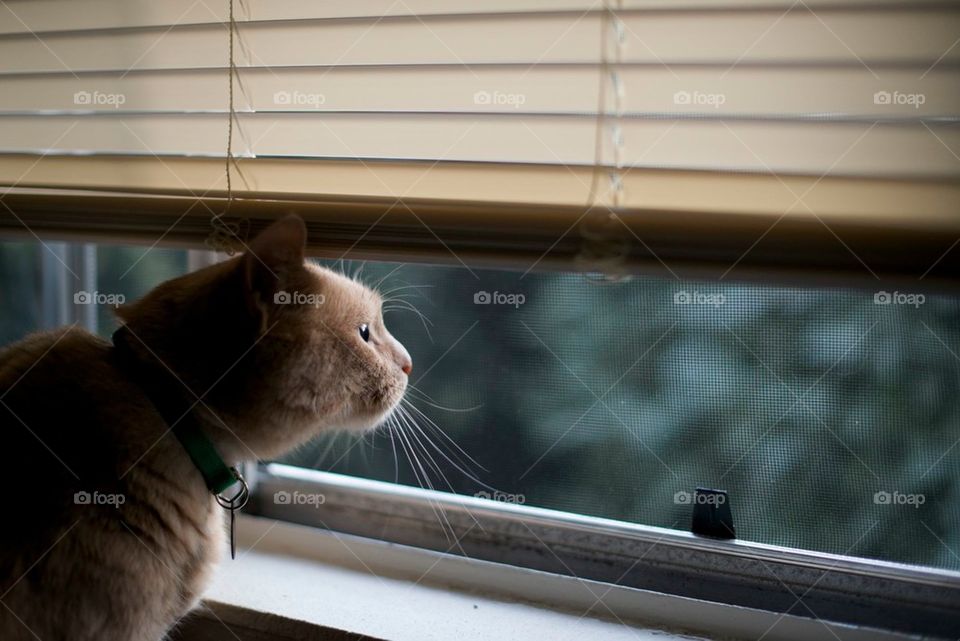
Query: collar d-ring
238	500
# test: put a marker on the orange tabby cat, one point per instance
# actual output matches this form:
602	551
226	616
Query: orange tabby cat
111	530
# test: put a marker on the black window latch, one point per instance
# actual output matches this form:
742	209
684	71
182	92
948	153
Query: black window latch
711	514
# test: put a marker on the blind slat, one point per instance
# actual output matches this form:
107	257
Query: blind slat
786	92
930	204
753	146
725	38
23	16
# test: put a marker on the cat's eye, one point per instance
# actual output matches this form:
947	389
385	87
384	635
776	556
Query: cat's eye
365	332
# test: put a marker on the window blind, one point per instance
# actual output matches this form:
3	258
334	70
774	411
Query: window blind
770	135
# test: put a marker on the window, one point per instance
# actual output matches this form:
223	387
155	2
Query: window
608	403
634	247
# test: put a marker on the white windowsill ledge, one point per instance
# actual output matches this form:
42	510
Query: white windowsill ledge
296	582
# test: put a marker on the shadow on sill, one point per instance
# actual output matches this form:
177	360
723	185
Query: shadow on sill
214	621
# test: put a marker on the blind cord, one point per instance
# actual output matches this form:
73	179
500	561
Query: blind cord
604	248
223	236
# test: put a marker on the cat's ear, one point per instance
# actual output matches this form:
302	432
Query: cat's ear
272	258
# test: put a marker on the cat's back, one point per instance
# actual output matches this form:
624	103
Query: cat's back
62	400
52	382
49	360
101	495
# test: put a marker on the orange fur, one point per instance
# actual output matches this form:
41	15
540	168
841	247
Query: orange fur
265	375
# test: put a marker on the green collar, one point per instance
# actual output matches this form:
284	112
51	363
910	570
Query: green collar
216	474
165	392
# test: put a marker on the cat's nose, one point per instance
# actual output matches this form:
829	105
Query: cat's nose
402	357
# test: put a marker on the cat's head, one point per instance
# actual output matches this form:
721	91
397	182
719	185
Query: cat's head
282	348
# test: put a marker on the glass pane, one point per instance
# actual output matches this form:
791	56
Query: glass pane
830	416
19	289
31	274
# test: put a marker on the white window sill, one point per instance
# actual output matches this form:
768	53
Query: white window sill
295	582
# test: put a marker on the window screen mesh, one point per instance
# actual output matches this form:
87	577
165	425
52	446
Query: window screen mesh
830	416
38	282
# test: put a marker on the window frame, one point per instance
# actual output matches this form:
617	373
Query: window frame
901	251
842	589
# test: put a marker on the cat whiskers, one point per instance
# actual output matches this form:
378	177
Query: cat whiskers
429	422
403	287
393	446
398	303
334	441
414	430
357	273
423	479
429	400
406	415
